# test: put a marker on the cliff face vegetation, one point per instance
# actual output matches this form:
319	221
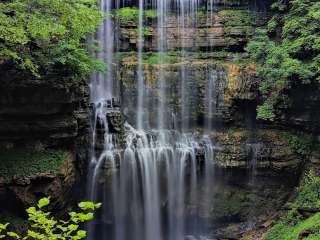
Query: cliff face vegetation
44	64
45	38
261	112
288	64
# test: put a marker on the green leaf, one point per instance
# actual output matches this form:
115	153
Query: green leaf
89	205
13	235
43	202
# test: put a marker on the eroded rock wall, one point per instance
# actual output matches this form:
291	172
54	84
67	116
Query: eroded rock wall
39	118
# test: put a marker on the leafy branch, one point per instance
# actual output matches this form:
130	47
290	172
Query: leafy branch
43	226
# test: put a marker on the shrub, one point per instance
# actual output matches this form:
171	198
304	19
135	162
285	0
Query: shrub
292	58
290	226
131	14
45	37
44	226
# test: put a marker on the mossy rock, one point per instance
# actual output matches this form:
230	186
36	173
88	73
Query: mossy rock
236	17
24	163
302	221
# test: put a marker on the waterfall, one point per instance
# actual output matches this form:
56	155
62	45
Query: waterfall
102	86
161	46
141	85
149	180
210	99
187	10
184	103
254	150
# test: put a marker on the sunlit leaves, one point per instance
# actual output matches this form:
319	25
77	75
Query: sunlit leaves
89	205
43	202
45	227
31	32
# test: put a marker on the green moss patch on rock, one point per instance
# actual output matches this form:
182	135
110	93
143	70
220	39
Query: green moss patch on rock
302	221
22	163
236	17
274	153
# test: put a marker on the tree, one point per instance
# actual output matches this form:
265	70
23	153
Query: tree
45	37
45	227
288	52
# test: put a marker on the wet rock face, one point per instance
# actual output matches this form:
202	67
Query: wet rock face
19	192
224	28
233	85
38	116
302	111
41	112
255	173
237	148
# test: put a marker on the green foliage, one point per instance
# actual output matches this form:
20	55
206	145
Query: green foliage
232	17
44	37
291	61
14	220
301	144
293	223
23	164
266	111
127	14
161	57
150	13
45	227
170	57
131	14
146	31
291	232
231	131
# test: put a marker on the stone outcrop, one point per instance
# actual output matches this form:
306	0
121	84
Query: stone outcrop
18	192
42	112
39	116
227	29
302	112
235	85
272	149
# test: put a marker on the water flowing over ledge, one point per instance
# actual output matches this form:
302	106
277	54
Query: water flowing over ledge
155	166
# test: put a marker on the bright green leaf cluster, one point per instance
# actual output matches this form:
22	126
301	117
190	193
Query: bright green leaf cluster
45	227
46	37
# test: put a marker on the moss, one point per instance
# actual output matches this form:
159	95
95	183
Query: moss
284	231
131	14
301	144
171	57
239	30
156	58
232	17
293	224
26	163
230	203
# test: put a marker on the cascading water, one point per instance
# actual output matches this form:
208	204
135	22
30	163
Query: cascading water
103	101
141	85
254	150
157	171
161	46
187	19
